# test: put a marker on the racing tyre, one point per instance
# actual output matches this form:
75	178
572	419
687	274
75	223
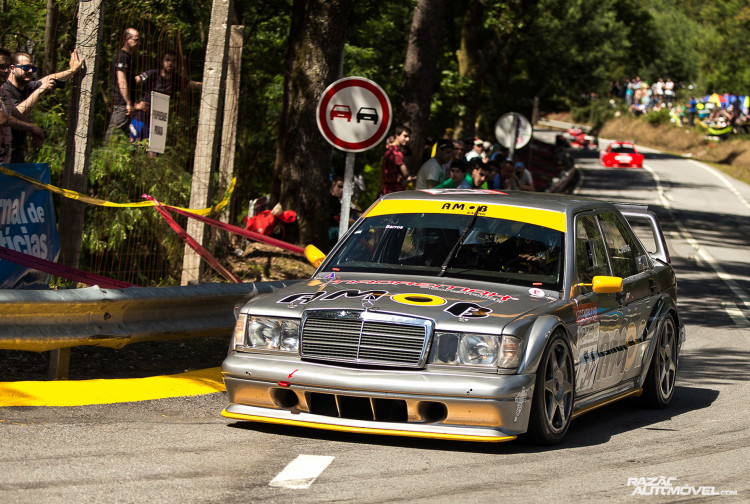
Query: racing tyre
658	388
554	391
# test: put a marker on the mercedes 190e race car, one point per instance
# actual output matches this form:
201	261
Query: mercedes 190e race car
464	315
621	154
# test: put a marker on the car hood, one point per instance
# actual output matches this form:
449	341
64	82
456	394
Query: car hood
453	304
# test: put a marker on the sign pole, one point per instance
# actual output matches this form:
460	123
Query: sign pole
346	199
513	138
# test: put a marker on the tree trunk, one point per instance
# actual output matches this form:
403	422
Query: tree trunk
471	66
50	38
303	157
420	74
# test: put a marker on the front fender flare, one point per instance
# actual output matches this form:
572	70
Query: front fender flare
537	338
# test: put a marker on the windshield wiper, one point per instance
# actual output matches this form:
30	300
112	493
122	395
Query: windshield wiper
457	247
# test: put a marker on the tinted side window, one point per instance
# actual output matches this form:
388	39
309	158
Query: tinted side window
591	257
624	251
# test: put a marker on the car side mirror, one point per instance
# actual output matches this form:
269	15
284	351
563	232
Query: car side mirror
606	284
314	256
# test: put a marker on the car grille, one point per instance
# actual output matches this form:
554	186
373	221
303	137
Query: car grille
365	338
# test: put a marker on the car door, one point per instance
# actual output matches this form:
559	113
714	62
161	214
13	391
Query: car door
598	316
630	261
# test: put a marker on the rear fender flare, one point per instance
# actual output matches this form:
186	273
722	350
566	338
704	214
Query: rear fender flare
665	306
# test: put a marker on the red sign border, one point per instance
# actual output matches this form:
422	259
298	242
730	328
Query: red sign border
385	122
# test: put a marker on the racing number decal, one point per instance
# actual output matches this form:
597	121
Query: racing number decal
418	299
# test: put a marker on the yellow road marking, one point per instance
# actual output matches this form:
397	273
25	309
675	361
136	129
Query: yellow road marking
85	392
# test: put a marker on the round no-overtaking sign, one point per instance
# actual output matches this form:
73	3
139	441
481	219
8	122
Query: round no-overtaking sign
354	114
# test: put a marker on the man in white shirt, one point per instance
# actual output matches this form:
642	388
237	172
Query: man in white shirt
431	173
476	151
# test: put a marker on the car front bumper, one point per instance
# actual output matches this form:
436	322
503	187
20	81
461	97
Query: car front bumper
451	404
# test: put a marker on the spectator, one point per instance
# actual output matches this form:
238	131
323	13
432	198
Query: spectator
395	173
25	92
476	150
165	81
431	172
459	151
479	175
524	177
10	117
692	108
457	178
123	85
508	180
669	92
334	201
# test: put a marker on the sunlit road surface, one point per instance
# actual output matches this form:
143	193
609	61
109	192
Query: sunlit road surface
182	450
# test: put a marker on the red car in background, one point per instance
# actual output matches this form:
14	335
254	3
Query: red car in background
621	155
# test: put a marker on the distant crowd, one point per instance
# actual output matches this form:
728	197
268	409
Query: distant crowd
719	113
449	163
446	164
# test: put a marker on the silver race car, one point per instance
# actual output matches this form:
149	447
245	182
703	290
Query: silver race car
465	315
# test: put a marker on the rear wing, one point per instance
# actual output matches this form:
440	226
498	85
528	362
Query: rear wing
646	227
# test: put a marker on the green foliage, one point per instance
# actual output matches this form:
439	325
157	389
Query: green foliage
594	113
561	52
659	117
121	173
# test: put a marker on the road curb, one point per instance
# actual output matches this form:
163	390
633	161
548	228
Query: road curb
101	391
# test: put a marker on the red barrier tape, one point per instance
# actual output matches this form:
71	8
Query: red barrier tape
205	254
60	270
238	230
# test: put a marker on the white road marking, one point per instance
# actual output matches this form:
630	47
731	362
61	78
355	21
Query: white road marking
716	173
736	314
702	253
301	472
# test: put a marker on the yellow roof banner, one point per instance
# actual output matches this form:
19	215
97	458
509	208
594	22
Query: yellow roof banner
546	218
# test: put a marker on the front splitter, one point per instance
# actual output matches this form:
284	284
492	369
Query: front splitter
425	431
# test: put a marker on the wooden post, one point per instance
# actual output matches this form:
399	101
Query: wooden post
206	143
231	102
80	129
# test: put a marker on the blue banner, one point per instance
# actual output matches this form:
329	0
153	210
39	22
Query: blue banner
27	225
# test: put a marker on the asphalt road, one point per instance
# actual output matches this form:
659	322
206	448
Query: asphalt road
182	450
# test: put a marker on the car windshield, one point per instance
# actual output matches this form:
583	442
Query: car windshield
623	149
495	250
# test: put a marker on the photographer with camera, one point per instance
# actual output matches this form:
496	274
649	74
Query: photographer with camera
25	92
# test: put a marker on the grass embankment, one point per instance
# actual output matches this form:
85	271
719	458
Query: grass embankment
732	156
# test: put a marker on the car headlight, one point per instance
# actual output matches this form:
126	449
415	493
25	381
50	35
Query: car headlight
470	349
265	333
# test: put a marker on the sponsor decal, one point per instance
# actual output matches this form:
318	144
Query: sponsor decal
605	356
418	299
481	293
306	298
468	310
520	401
587	313
464	207
536	292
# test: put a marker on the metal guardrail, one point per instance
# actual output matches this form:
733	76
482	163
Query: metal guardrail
553	123
57	320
